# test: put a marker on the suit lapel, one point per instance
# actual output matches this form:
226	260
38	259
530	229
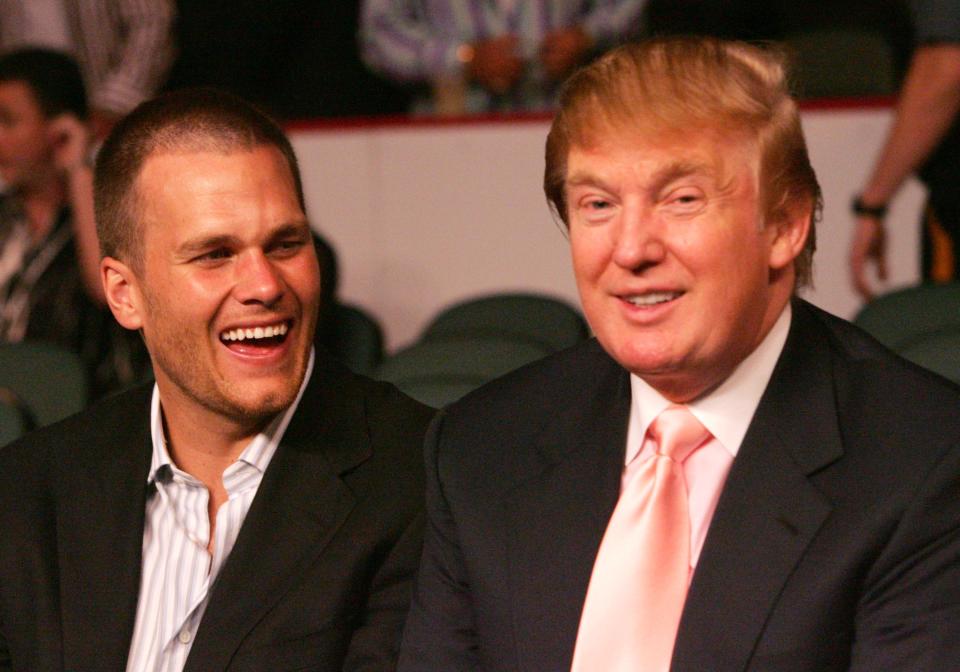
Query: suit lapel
768	512
100	517
557	517
299	506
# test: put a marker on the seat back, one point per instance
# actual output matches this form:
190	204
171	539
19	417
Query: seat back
50	381
532	317
443	369
920	323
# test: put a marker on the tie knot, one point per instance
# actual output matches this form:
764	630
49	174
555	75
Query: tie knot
677	433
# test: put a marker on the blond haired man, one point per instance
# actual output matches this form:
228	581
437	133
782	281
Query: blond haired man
727	478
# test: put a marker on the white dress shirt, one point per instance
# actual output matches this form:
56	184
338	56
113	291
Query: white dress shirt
726	412
177	570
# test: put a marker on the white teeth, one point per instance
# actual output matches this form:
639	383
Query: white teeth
255	332
652	298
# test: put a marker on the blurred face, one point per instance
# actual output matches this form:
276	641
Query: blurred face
678	275
227	296
25	148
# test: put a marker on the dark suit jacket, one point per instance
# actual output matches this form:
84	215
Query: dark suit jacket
319	578
835	544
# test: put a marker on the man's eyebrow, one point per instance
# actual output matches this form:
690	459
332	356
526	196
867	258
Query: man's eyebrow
582	178
296	228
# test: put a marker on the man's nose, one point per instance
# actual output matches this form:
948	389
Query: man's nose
639	240
258	280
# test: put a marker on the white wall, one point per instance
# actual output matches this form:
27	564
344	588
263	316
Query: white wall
423	215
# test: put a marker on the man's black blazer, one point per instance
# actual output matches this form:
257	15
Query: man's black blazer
319	578
835	544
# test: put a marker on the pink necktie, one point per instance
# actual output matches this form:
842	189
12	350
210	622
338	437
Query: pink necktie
640	577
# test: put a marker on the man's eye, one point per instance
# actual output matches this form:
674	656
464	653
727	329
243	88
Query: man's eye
686	200
598	204
288	247
214	255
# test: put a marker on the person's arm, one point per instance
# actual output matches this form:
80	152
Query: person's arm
909	615
72	141
929	103
440	633
142	62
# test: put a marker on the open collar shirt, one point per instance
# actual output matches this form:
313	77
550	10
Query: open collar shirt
726	412
178	573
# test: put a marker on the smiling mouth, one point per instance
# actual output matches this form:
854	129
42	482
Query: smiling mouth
262	336
651	298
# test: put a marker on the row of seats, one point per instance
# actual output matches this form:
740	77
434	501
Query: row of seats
40	383
466	345
477	340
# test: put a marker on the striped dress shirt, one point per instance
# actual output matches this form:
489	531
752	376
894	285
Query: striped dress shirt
177	571
417	40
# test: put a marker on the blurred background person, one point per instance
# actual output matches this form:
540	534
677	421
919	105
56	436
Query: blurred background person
470	56
124	47
49	254
924	138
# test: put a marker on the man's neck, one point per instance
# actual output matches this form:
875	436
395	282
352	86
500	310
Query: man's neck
202	442
41	205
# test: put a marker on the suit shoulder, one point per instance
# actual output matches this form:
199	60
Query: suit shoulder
504	426
386	400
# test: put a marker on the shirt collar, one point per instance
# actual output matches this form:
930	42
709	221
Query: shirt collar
257	453
726	411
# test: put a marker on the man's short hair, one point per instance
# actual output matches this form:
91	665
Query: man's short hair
53	77
686	85
189	120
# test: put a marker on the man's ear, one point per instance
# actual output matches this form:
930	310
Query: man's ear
122	290
789	233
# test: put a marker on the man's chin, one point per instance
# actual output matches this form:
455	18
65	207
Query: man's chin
253	408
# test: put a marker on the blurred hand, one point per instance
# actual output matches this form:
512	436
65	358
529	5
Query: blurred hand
70	139
496	65
562	50
869	245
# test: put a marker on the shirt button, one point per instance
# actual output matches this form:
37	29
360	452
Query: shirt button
184	637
